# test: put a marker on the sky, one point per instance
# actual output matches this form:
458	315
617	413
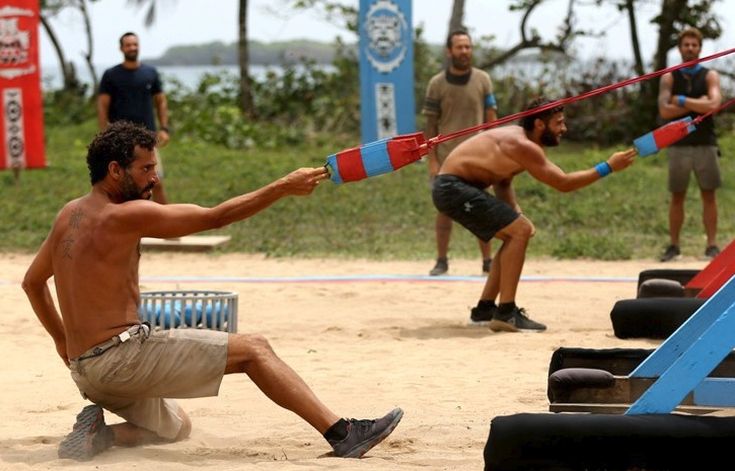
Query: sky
196	21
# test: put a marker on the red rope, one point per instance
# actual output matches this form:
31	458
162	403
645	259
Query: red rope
564	101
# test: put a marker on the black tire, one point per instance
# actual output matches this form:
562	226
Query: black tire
681	275
545	442
654	318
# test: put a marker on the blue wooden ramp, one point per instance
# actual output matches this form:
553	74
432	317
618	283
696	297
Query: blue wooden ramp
682	363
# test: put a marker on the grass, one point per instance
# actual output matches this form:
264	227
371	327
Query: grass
386	217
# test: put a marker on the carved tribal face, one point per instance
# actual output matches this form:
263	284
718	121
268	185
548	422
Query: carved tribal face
385	34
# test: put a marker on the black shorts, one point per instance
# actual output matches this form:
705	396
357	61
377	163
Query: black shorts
477	210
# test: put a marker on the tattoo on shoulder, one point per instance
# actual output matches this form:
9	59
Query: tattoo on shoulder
67	244
76	218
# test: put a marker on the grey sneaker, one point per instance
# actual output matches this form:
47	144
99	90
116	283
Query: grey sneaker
441	267
711	251
362	435
671	252
89	437
516	321
480	316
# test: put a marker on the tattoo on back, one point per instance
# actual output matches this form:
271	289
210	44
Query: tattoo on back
76	218
67	243
75	222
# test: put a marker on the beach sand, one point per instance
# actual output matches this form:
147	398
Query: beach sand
364	346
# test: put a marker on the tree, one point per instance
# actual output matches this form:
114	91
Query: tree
629	7
246	87
457	18
676	15
48	9
247	105
530	37
82	5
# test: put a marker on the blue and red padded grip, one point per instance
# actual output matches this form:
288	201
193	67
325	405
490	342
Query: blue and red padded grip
659	138
376	158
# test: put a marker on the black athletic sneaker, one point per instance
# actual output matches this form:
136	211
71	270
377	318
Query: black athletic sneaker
441	267
671	252
89	437
486	264
362	435
516	321
479	316
711	251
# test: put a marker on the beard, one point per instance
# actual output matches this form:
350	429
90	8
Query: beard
549	139
131	56
461	63
130	191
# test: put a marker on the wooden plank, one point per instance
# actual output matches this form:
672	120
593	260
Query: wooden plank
621	408
184	244
715	392
623	391
621	363
711	392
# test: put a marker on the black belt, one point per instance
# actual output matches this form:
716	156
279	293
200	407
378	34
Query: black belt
122	337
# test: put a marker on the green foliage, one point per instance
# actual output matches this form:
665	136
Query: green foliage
62	107
426	63
597	247
290	105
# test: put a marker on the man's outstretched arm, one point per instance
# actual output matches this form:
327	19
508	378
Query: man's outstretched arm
142	219
545	171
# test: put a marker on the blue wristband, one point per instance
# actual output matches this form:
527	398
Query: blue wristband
603	169
682	100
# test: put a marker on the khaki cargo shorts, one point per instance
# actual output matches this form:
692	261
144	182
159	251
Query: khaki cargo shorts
137	379
702	160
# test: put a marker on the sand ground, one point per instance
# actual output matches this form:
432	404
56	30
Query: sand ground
363	346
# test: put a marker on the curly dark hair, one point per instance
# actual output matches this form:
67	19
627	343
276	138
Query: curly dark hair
116	144
527	121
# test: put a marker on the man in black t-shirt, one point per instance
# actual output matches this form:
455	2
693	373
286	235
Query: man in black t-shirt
692	91
129	91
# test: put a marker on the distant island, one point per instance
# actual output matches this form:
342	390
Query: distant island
275	53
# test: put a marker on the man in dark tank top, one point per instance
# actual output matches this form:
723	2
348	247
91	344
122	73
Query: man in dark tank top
692	91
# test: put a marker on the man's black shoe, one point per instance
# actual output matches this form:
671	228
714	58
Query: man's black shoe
671	252
362	435
89	437
479	316
711	251
515	321
441	267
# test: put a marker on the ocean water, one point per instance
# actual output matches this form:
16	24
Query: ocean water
188	75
